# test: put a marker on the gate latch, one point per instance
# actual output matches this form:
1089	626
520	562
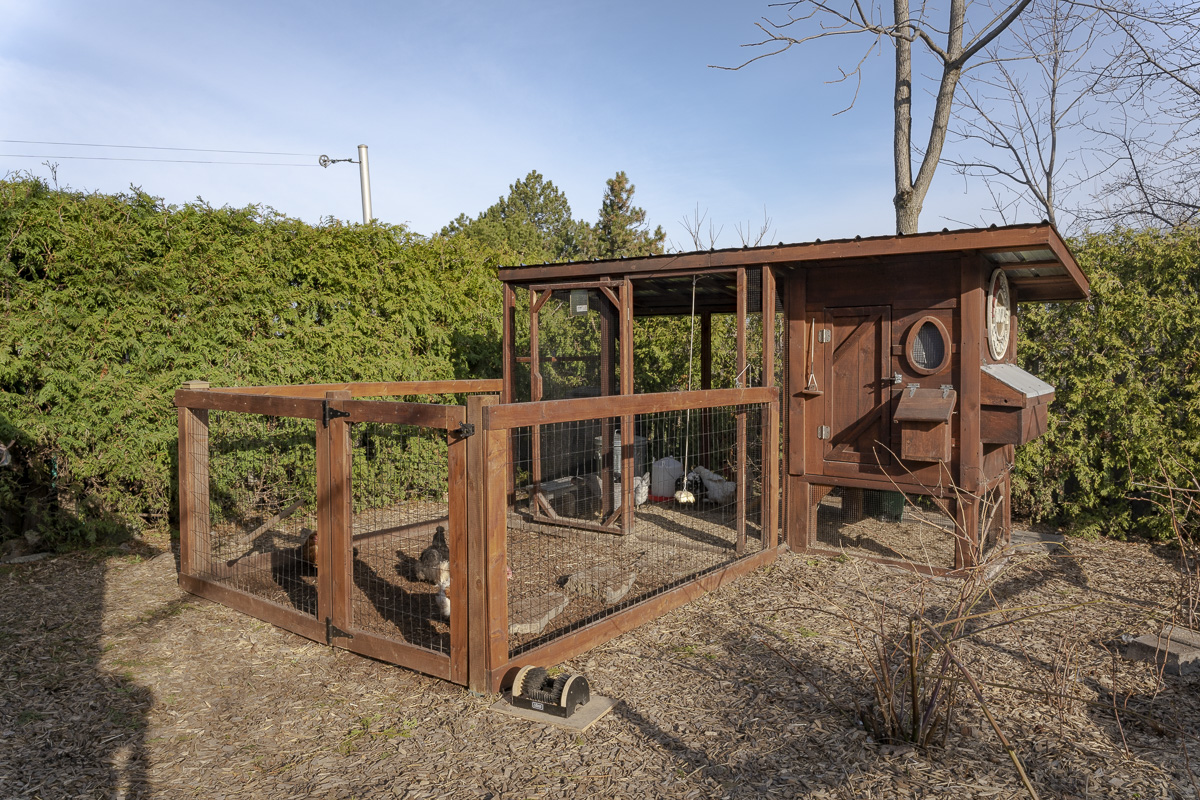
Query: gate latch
466	429
328	413
332	631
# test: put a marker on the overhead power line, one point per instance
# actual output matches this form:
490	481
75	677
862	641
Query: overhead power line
163	160
148	147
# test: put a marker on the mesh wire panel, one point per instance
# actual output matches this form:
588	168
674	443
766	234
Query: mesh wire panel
883	524
262	508
399	483
567	572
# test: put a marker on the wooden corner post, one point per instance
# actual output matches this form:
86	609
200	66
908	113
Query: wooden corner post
195	543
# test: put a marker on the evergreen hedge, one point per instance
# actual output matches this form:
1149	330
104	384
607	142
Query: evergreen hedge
1126	370
109	303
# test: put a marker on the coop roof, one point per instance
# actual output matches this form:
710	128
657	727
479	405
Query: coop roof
1035	258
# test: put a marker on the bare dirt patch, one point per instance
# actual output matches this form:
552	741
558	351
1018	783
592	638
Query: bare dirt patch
116	684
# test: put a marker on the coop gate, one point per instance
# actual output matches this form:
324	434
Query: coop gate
313	512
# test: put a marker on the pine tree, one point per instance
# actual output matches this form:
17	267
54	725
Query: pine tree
533	223
622	229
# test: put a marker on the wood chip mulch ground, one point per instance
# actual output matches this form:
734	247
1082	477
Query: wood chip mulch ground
114	683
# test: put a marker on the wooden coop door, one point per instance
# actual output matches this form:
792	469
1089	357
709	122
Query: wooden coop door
858	386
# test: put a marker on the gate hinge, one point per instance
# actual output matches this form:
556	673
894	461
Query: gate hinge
328	413
822	431
466	429
824	336
332	631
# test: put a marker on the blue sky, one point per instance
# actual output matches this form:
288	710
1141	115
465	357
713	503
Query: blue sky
456	101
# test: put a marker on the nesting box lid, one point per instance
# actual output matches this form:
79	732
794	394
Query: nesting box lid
926	405
1008	384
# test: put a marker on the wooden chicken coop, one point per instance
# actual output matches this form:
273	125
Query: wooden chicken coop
850	396
896	357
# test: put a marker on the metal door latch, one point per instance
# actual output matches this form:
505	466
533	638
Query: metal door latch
466	429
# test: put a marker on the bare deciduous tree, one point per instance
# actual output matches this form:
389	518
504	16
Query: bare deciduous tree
953	43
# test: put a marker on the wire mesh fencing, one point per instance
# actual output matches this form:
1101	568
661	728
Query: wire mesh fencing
262	507
692	480
400	524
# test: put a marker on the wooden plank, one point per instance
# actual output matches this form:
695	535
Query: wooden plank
517	415
301	407
421	415
494	622
271	613
456	539
376	389
610	627
194	525
476	550
406	655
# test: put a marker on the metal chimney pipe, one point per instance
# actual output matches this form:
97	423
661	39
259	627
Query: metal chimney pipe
364	175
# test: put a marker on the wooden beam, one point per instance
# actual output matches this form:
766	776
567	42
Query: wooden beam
381	389
518	415
770	422
970	457
301	407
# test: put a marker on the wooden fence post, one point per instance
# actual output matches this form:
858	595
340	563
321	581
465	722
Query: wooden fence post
334	553
476	617
495	556
195	542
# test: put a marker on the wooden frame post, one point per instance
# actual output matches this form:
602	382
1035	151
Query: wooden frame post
476	621
740	382
458	513
705	384
335	570
970	446
798	519
628	434
195	543
492	624
770	418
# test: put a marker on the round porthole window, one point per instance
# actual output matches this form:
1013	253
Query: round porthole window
928	346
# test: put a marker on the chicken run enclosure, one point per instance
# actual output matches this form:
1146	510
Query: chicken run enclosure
643	445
